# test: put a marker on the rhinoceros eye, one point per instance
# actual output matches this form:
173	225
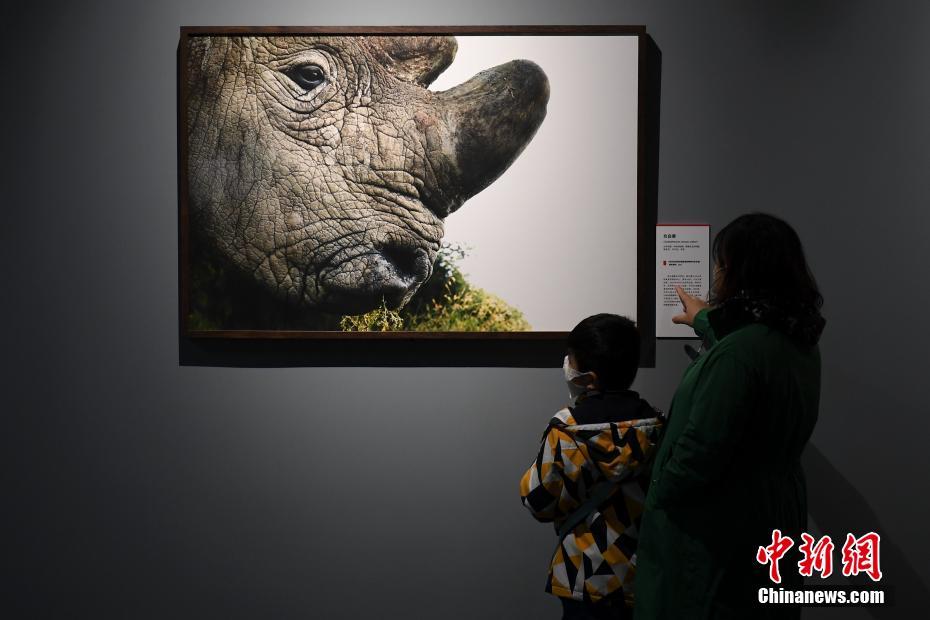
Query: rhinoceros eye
307	77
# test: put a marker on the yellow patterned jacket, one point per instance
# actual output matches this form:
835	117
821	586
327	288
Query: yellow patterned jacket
597	558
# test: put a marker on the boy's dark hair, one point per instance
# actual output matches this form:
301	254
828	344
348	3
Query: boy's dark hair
608	345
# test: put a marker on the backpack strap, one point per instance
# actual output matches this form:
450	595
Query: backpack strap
598	495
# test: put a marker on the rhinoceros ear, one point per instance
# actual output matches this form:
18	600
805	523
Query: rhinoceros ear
418	59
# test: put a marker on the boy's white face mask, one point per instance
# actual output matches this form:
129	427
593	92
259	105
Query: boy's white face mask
574	390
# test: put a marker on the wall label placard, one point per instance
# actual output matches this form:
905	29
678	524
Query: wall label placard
682	259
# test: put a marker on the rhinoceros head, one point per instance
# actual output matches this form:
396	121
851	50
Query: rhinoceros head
323	168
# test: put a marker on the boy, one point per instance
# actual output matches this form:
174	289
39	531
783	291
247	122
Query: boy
588	477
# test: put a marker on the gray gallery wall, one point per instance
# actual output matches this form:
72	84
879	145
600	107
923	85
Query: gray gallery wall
136	488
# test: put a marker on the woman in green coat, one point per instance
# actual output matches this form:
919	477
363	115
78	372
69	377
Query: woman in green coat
728	470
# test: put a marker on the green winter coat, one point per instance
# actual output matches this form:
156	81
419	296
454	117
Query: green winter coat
727	473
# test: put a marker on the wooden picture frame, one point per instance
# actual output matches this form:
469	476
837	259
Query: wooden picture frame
422	348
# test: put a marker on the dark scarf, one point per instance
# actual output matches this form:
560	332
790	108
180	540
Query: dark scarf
800	322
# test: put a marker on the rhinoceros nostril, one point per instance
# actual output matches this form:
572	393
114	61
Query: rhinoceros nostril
411	264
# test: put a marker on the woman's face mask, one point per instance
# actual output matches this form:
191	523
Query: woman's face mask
574	389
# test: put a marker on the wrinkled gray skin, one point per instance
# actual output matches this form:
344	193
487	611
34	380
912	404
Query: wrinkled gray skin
323	167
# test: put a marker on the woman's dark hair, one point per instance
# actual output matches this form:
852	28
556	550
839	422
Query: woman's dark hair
761	256
608	345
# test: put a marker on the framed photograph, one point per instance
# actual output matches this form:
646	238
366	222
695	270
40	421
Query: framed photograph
485	184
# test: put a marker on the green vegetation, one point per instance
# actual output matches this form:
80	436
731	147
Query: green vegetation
381	319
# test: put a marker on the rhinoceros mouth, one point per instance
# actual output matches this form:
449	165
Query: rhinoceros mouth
389	274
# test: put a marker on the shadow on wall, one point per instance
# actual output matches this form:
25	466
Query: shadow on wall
837	506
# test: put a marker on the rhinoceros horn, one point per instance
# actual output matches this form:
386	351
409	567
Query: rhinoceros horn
487	120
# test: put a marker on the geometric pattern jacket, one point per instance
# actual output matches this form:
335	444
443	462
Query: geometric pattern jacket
598	557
